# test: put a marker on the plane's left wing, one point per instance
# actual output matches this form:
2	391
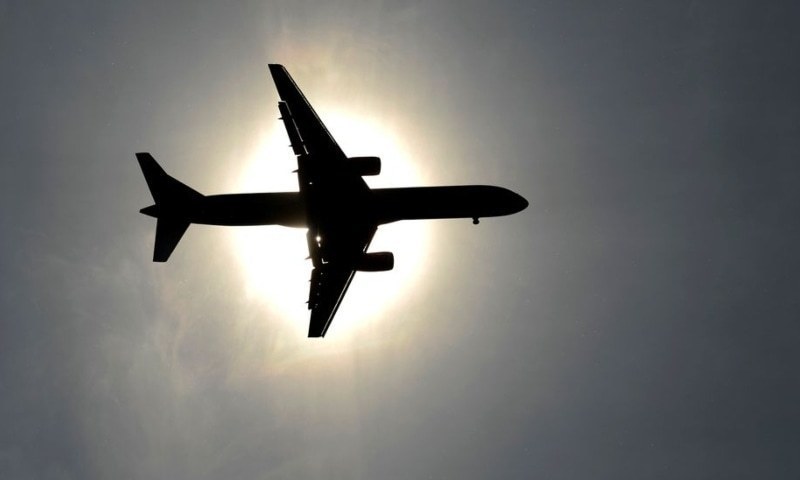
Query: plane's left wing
312	130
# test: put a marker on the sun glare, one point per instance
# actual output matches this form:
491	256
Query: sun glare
273	258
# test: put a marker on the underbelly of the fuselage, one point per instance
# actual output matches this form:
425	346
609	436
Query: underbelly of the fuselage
379	206
419	203
283	208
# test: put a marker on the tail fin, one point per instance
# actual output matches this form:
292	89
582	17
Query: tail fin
174	202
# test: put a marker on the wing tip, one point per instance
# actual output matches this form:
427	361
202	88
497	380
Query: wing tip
318	323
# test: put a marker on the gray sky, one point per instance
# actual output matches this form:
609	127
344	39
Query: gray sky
638	320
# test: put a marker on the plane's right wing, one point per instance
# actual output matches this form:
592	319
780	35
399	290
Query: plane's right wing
330	279
328	285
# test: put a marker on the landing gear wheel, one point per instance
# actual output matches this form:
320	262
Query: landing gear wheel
475	221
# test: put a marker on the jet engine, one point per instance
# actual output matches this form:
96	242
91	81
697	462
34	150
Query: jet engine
376	262
365	166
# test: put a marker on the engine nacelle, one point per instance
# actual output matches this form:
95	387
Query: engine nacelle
365	166
376	262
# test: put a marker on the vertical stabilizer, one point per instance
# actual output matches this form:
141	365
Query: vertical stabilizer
174	204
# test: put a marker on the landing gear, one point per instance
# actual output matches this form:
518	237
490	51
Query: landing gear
475	221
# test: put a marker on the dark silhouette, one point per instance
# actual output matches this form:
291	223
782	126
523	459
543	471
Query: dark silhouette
340	211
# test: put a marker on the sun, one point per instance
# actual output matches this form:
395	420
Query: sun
273	258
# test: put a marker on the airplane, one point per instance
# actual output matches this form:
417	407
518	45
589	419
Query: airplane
340	212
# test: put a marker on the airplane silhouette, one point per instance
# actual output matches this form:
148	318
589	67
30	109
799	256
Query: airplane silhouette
334	203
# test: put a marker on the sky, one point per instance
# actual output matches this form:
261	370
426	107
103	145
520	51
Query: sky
638	320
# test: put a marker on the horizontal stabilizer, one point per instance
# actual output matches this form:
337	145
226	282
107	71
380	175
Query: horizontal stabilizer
175	202
168	233
168	192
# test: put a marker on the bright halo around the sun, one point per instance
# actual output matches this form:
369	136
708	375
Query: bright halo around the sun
273	258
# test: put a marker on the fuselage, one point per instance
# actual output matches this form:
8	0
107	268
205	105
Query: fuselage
421	203
380	206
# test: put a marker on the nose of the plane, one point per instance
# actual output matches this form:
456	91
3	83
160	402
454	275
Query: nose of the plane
518	201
